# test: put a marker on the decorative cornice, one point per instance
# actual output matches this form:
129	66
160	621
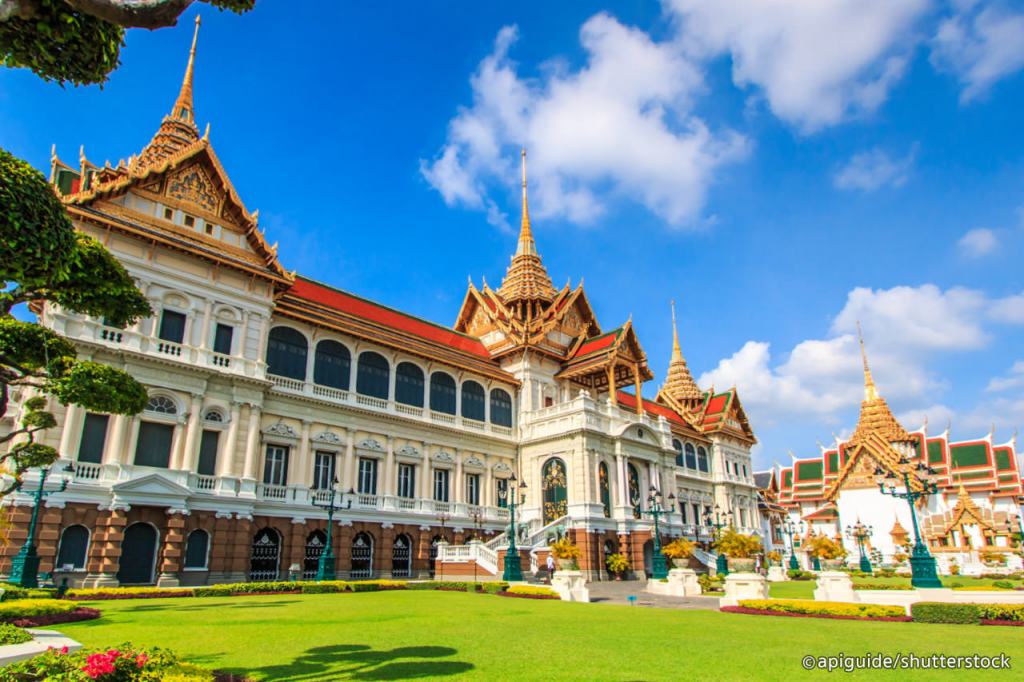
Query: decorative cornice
443	456
330	437
281	429
408	450
371	443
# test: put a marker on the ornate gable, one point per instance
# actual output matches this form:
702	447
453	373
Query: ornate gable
192	185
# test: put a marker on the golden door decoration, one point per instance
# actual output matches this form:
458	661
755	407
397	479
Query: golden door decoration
555	498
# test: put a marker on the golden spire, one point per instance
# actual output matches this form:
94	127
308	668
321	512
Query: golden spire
676	353
526	247
875	415
680	384
870	392
183	105
526	279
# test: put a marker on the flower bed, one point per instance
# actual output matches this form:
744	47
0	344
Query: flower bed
122	663
46	620
768	612
33	607
806	606
12	634
265	588
99	595
880	586
968	614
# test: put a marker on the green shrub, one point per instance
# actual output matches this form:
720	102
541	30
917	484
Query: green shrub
935	612
831	608
365	587
137	591
955	584
494	587
1014	612
1003	584
425	585
12	592
797	574
880	586
452	585
327	587
982	588
12	634
531	590
213	591
34	607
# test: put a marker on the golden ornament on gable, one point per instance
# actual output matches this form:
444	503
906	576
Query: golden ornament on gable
193	185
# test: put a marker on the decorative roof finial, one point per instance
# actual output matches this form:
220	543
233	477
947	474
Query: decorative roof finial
870	392
677	354
526	244
183	107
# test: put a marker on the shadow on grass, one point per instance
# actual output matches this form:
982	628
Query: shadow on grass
205	607
361	662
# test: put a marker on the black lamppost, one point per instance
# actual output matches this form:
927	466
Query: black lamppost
25	566
513	566
660	568
325	566
922	564
860	534
722	563
477	514
442	518
788	527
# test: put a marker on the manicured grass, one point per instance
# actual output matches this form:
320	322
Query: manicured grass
452	635
804	589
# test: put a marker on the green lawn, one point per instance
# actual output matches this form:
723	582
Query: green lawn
453	635
804	589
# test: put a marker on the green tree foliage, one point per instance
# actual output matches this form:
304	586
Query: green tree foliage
80	42
43	259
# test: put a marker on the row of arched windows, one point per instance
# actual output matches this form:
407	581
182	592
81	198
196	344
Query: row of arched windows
332	365
691	458
138	551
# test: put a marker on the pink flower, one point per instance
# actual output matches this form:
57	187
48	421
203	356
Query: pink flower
64	650
141	659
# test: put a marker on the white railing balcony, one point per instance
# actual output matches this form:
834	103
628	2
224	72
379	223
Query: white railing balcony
272	492
219	360
168	348
369	501
293	385
501	430
442	507
474	424
328	392
442	417
204	483
379	403
406	504
409	409
87	473
324	496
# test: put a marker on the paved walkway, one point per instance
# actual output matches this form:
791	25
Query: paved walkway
616	592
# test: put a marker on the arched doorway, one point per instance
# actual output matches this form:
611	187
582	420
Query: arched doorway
362	557
316	542
266	554
138	554
433	553
649	558
553	476
401	557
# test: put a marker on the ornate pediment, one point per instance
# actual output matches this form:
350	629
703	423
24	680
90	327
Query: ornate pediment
502	466
408	450
281	429
330	438
193	185
443	456
473	461
371	443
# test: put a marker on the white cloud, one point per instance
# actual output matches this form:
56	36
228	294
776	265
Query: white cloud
979	242
873	169
622	120
1015	378
981	43
1009	310
937	417
815	62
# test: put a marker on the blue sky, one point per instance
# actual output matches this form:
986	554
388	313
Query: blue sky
779	168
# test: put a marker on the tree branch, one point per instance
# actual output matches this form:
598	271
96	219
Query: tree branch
134	13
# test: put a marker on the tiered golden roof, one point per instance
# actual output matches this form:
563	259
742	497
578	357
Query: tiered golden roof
526	279
875	415
680	384
178	129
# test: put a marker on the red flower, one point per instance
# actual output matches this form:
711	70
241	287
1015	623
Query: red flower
141	659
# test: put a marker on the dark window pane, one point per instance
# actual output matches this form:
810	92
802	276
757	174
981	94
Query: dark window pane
374	376
323	471
473	401
409	384
691	459
702	459
172	326
331	365
73	543
208	453
442	393
222	339
154	445
367	476
501	408
94	436
286	353
275	469
195	549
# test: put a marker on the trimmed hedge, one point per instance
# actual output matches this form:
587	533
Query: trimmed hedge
79	614
13	592
830	608
765	612
880	586
12	634
983	588
33	607
935	612
532	591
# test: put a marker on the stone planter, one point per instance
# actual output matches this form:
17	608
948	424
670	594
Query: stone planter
566	564
744	565
831	564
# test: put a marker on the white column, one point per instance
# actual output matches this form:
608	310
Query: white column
154	328
252	443
178	444
115	439
225	466
125	454
460	479
487	494
72	417
458	400
623	476
389	468
204	332
349	477
243	339
487	403
391	378
425	473
298	468
191	458
261	348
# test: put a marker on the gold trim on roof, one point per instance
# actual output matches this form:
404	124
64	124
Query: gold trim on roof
680	384
875	415
526	279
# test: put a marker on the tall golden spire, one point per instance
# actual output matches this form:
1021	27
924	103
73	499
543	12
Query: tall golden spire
526	279
676	353
178	130
680	384
875	415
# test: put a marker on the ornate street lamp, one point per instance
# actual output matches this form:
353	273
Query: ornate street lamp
922	564
325	566
788	527
815	563
722	564
513	567
477	514
860	534
655	510
442	518
25	566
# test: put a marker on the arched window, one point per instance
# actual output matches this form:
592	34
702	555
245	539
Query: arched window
442	393
196	549
473	399
374	375
214	416
331	364
401	557
501	408
606	494
409	384
316	542
691	461
678	447
161	405
702	459
362	556
138	554
74	542
266	553
634	489
286	353
553	478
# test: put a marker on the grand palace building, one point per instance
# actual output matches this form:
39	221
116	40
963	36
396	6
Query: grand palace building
975	511
269	390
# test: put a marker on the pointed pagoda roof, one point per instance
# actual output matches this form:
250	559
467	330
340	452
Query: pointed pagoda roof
680	384
875	415
526	279
178	129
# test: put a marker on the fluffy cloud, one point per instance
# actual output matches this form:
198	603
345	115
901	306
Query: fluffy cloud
980	43
623	120
873	169
815	62
979	242
1012	380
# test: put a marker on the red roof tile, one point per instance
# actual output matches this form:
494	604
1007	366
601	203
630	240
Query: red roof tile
629	400
597	343
389	317
717	403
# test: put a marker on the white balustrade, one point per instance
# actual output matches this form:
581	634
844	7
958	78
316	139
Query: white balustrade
205	483
273	492
379	403
87	473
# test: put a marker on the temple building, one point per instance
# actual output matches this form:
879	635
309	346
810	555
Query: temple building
975	512
269	390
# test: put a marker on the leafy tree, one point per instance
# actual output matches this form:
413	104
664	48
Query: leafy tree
79	41
43	259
